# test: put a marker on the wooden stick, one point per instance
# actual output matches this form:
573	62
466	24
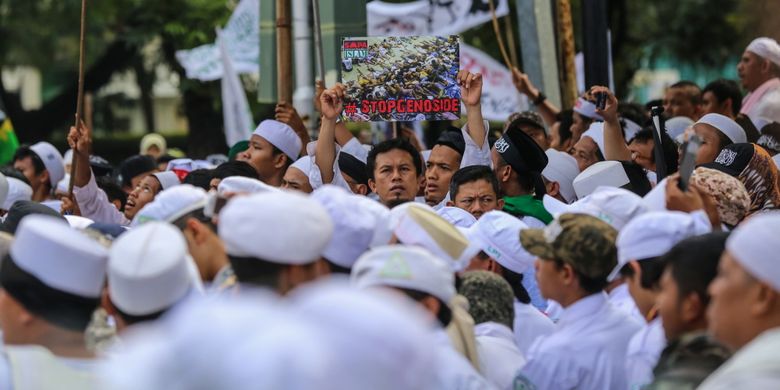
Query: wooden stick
80	93
500	40
510	39
283	52
315	9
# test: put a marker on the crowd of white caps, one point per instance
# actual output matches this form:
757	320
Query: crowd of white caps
518	266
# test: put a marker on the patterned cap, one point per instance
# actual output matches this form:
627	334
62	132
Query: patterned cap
490	297
582	241
731	198
528	118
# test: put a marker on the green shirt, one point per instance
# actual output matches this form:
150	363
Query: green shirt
527	206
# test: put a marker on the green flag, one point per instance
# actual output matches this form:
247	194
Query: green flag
8	141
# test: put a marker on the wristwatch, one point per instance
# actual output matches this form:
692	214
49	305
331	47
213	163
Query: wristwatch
540	98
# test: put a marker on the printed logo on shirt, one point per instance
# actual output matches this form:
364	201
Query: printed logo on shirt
501	145
522	383
396	268
726	157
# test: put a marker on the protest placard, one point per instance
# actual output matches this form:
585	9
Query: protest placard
401	78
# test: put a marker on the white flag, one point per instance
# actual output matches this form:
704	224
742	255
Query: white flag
235	108
499	96
242	36
424	17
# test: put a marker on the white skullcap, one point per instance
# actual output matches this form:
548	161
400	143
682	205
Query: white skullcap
280	135
243	185
630	129
420	225
766	48
353	225
407	267
303	164
676	126
725	125
562	168
152	139
67	158
167	179
596	133
587	109
62	185
78	222
653	234
60	257
457	216
147	269
382	230
602	173
754	245
4	188
170	205
279	227
17	190
499	236
188	165
615	206
52	160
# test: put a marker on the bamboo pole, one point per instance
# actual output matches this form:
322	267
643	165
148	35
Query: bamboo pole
283	51
80	92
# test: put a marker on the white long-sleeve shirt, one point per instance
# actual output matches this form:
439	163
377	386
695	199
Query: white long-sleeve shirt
529	325
586	351
644	349
499	357
94	204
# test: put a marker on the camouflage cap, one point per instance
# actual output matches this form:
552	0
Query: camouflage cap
490	297
528	118
582	241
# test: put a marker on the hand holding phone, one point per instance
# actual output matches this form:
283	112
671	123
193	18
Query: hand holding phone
690	149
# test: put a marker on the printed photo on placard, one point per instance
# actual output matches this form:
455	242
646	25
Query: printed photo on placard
401	78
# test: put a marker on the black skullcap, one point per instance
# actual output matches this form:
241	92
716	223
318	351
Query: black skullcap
452	138
524	155
23	208
353	167
134	166
733	159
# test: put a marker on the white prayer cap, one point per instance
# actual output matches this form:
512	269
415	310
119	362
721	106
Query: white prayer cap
630	129
147	269
457	216
725	125
499	236
59	256
279	227
78	222
615	206
4	188
167	179
407	267
602	173
17	190
382	230
303	164
596	133
356	323
353	225
562	168
52	160
766	48
653	234
188	165
755	246
62	185
587	109
170	205
420	225
243	185
676	126
280	135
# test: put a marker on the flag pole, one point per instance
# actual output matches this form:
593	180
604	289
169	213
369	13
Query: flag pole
80	93
315	4
283	52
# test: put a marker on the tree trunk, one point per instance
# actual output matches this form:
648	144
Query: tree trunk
145	80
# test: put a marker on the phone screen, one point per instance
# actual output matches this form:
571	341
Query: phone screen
690	149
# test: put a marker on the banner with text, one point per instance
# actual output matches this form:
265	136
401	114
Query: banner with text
425	17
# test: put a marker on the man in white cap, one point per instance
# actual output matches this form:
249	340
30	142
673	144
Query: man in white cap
716	132
51	284
758	71
640	244
297	176
42	164
430	282
590	148
559	175
18	189
498	236
147	274
490	303
275	240
587	348
273	147
353	227
744	311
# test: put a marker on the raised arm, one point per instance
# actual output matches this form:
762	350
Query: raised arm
547	110
471	95
331	103
80	140
614	142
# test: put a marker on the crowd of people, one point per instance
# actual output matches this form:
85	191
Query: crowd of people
552	254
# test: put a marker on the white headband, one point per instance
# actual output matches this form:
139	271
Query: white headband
586	108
